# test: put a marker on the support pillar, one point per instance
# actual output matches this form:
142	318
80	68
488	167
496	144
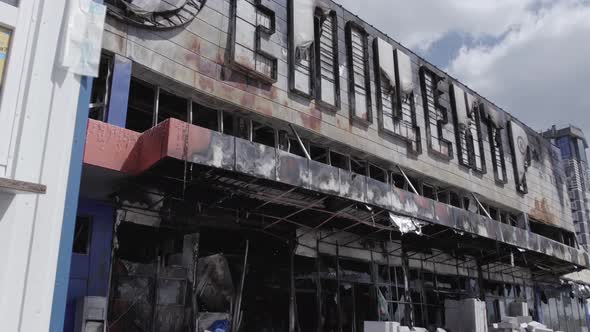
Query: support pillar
119	97
480	281
409	312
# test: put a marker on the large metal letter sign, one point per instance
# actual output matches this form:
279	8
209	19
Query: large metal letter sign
395	94
327	75
252	50
313	52
359	79
436	113
301	51
468	129
496	123
521	156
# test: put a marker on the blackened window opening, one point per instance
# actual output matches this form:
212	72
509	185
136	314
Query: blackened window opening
140	113
205	117
82	235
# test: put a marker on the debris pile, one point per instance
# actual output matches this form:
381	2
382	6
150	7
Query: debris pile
519	324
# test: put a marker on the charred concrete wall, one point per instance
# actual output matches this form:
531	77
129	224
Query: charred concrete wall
200	58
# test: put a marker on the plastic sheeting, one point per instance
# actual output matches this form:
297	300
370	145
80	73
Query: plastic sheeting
215	287
303	12
303	21
83	37
142	7
386	62
405	224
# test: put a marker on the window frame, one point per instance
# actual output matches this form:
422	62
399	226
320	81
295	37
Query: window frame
18	19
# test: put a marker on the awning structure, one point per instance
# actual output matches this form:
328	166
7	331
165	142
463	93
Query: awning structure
274	192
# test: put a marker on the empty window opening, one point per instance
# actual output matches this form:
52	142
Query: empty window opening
82	236
263	134
236	125
358	166
340	160
296	149
444	197
482	210
100	90
319	153
512	220
399	181
172	106
494	213
428	191
378	173
547	231
284	141
455	199
467	204
140	113
205	117
504	218
414	183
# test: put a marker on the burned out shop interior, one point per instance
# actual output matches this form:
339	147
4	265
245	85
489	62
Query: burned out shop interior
217	219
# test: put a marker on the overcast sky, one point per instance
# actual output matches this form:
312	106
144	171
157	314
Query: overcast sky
530	57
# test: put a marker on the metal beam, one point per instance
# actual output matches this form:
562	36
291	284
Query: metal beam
300	142
481	206
336	214
408	180
296	212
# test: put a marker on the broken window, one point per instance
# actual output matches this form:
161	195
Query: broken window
428	191
436	111
236	125
359	81
359	166
482	210
82	235
263	134
444	196
378	173
99	97
550	232
319	153
395	94
468	204
466	110
140	113
252	50
172	106
455	199
399	181
494	213
205	117
504	218
512	220
296	148
414	183
340	160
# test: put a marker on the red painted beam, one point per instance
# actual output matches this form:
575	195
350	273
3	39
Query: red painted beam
129	152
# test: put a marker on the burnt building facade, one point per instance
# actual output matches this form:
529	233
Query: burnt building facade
282	165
